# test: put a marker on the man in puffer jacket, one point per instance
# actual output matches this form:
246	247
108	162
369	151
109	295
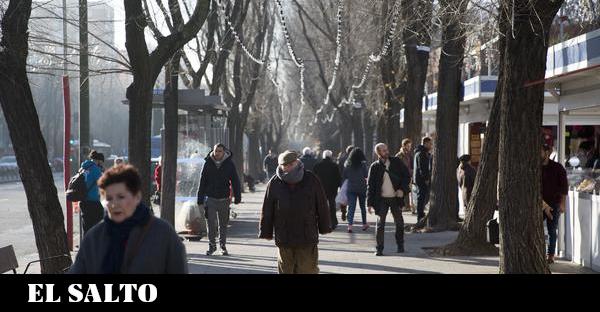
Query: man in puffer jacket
219	174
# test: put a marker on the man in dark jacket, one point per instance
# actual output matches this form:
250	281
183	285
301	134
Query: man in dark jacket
308	159
328	173
295	212
270	165
422	174
555	189
387	185
219	175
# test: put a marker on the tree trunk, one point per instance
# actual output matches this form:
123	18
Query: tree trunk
146	67
28	142
416	45
472	240
369	129
85	141
169	155
444	193
522	104
346	136
358	128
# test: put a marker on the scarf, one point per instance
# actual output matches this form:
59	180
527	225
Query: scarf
292	177
220	162
118	234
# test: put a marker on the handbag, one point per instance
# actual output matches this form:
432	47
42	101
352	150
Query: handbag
342	197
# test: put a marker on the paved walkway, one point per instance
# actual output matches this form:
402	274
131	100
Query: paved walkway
339	252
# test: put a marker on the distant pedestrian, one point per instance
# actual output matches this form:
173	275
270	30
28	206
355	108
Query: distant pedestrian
328	173
158	175
130	240
407	156
270	165
555	188
355	172
91	208
219	175
295	212
422	174
341	163
465	174
308	159
388	183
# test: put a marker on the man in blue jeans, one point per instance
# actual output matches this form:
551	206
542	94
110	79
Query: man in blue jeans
555	189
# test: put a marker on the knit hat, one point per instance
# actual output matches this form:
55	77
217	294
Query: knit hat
287	157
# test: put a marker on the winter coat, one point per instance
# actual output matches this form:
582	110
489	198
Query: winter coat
309	162
422	166
160	251
217	182
329	174
407	159
296	215
399	176
465	174
357	178
92	174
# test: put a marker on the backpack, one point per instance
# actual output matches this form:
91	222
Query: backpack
77	189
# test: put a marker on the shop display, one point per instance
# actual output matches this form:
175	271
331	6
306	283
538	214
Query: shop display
584	180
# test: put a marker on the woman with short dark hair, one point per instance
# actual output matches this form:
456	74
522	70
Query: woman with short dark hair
130	240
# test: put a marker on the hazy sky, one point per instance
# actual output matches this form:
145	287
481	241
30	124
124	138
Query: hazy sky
120	24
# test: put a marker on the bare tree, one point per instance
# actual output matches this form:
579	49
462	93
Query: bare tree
146	66
522	103
29	145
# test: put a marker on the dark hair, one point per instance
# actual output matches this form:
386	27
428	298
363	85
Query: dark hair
356	158
425	140
465	158
94	155
127	174
221	145
406	142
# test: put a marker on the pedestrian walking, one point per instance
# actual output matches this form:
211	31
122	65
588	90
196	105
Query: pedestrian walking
130	240
388	183
355	172
91	208
270	165
422	174
465	174
555	189
406	155
219	176
328	173
295	212
341	162
308	159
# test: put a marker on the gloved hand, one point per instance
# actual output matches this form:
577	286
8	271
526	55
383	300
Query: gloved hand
206	212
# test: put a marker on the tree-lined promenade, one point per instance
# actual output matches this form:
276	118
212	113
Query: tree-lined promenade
321	73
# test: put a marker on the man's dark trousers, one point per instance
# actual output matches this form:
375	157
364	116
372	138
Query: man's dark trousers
422	200
331	201
395	206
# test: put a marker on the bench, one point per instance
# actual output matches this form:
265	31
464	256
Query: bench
8	260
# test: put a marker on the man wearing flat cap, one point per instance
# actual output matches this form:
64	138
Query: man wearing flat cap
295	211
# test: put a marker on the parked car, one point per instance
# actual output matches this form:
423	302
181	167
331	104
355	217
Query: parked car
9	162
